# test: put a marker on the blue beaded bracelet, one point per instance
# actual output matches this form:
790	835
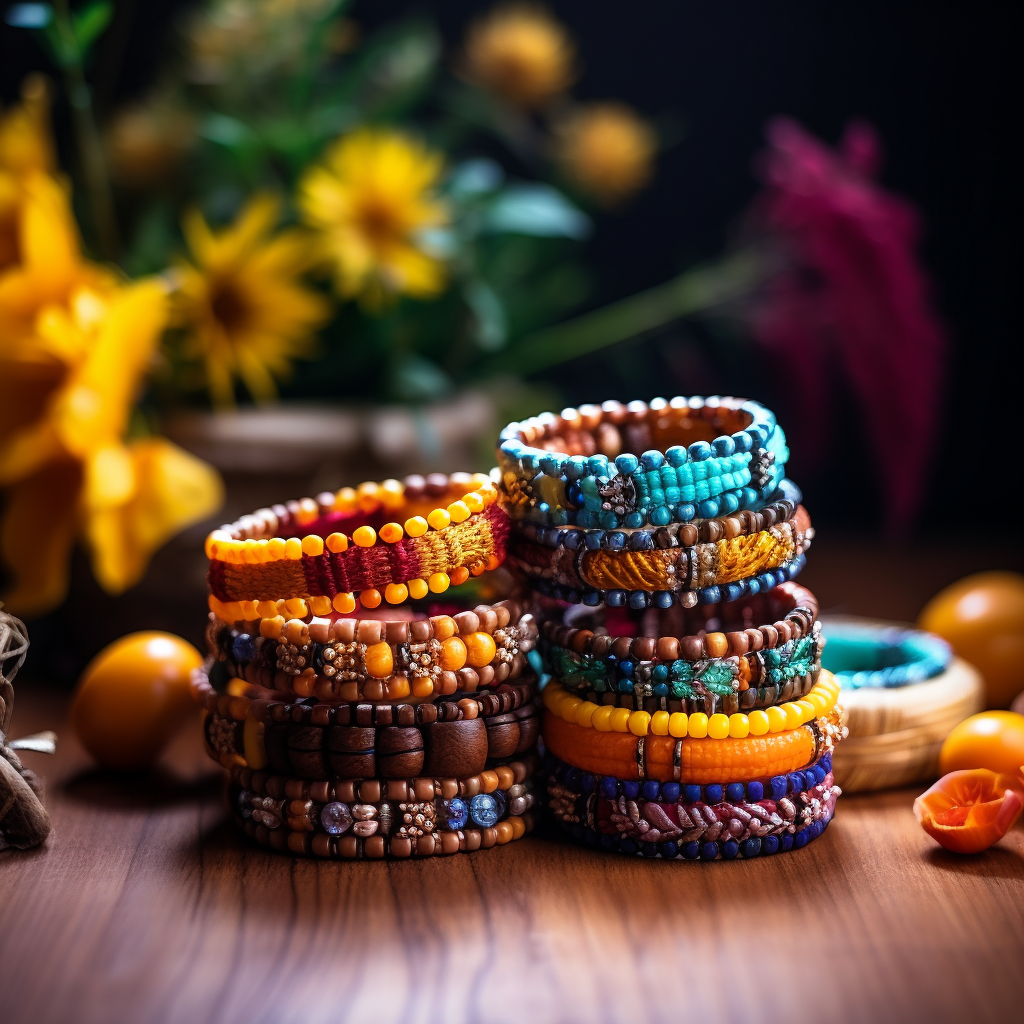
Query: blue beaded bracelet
580	486
866	656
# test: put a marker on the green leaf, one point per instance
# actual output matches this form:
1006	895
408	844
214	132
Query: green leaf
224	130
89	23
29	15
491	324
536	209
475	178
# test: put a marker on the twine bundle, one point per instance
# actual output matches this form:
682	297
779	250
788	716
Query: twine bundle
23	819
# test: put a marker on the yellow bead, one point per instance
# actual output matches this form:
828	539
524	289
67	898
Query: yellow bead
214	540
379	660
807	710
293	548
345	500
365	536
794	717
266	609
697	725
453	654
585	713
620	719
250	552
263	550
639	723
758	721
416	526
367	496
276	547
567	708
439	518
344	604
718	727
481	649
677	724
602	720
818	702
249	612
659	723
474	502
392	493
391	533
337	542
308	511
396	593
458	511
320	605
312	545
438	582
418	589
739	726
776	719
271	628
296	607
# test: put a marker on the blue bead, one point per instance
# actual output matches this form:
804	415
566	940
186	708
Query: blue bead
630	790
651	790
592	598
734	791
757	435
608	519
609	788
685	512
641	541
709	851
691	851
692	794
778	785
742	441
748	497
669	850
730	848
700	450
593	538
677	455
638	599
713	794
661	516
598	465
659	673
663	599
771	844
786	842
796	782
724	446
755	792
708	508
753	585
729	502
243	647
661	690
626	667
572	778
616	540
800	839
575	467
709	595
649	849
634	520
573	539
731	591
587	783
458	814
626	464
652	460
550	466
615	598
627	846
670	792
750	847
484	810
826	763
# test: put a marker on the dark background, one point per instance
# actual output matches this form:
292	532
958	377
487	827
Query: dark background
937	82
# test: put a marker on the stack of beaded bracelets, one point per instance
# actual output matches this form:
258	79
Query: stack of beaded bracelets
903	691
317	713
695	539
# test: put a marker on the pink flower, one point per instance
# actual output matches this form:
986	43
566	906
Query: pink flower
851	298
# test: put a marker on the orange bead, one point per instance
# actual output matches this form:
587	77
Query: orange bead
418	589
312	545
717	645
344	604
337	542
453	654
438	582
422	686
379	660
396	688
396	593
480	649
364	536
459	575
391	533
370	598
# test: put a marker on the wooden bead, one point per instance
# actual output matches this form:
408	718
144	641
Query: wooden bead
456	749
503	735
400	752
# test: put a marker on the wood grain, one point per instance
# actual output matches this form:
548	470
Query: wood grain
146	906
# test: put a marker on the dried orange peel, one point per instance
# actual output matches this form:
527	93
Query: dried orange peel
969	811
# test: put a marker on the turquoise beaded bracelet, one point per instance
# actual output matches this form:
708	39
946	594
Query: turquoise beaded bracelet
866	656
579	469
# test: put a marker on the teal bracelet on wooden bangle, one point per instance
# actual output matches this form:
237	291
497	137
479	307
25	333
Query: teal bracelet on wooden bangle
863	656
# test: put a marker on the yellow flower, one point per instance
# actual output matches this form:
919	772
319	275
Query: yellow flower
74	348
521	53
372	200
607	151
26	149
245	309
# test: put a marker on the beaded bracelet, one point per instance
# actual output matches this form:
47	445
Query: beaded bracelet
458	748
697	760
724	831
776	787
389	834
658	571
350	549
350	659
884	656
777	718
555	470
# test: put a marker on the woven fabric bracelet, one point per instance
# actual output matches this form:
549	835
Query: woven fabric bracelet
336	549
458	748
865	656
701	458
724	831
760	622
660	572
690	760
350	659
778	718
574	780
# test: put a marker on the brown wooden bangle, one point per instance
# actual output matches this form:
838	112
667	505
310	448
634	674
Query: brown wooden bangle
692	634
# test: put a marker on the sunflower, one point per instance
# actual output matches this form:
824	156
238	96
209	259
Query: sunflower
245	310
520	53
607	151
74	346
372	202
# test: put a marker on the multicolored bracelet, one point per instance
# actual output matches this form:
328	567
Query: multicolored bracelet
348	659
677	829
374	818
325	553
775	719
689	759
864	656
719	455
459	748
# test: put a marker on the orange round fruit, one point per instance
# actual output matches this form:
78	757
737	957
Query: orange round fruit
992	740
982	618
133	697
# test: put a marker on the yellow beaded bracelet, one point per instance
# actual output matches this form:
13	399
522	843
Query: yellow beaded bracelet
779	718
